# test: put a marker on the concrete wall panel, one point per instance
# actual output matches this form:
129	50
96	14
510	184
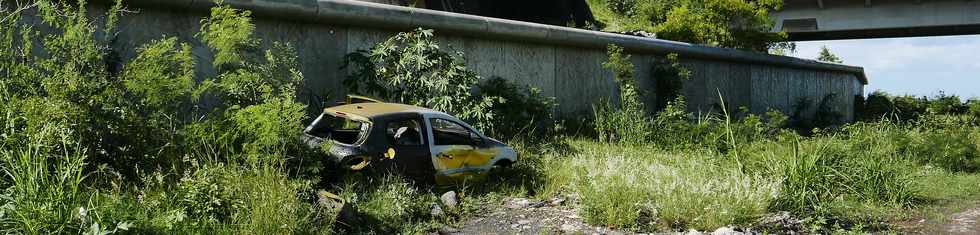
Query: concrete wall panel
581	81
525	64
564	63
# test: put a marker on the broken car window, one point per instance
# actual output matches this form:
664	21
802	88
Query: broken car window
340	129
404	132
447	132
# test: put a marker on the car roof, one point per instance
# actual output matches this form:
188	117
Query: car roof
372	110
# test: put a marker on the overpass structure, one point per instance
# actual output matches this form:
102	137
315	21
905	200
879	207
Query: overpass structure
854	19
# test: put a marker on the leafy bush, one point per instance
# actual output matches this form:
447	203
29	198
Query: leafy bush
908	108
877	106
520	110
669	76
145	118
626	121
410	68
723	23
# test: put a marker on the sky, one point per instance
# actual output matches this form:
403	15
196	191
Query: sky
915	66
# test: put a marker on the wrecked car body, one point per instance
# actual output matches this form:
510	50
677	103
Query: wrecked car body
416	141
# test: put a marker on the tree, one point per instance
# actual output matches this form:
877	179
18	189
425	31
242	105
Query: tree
827	56
740	24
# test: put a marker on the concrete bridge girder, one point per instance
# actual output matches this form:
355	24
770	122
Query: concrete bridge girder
827	19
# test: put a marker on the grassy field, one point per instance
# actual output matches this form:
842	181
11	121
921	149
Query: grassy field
148	147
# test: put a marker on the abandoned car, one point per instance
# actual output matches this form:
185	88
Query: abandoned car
416	141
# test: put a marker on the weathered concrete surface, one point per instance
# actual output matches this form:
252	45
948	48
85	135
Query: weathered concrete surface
565	63
827	19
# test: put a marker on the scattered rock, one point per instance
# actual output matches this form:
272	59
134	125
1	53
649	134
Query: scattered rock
517	203
446	230
556	201
568	228
436	211
449	199
523	222
693	232
780	222
726	231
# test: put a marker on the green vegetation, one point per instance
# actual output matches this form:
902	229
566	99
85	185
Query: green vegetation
410	68
152	147
723	23
826	56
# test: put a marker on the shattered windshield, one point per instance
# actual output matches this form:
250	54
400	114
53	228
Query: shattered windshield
340	129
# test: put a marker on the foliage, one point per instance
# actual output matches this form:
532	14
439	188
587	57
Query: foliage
389	204
670	76
411	68
625	121
826	56
881	105
74	126
229	32
96	144
847	176
519	109
640	188
723	23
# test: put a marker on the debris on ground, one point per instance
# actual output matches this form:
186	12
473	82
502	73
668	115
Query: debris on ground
529	216
726	231
555	216
334	204
449	199
963	222
436	211
780	222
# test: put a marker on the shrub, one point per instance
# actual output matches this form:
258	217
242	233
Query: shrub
909	108
974	105
669	76
410	68
946	104
144	115
519	109
696	21
878	105
626	121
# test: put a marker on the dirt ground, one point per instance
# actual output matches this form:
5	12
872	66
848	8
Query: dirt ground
527	216
954	222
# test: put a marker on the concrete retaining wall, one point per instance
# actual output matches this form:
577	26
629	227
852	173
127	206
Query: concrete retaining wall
563	62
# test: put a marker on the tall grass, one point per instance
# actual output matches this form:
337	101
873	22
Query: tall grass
645	189
45	183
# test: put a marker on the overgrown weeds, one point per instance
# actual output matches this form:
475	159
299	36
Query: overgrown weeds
646	189
144	147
